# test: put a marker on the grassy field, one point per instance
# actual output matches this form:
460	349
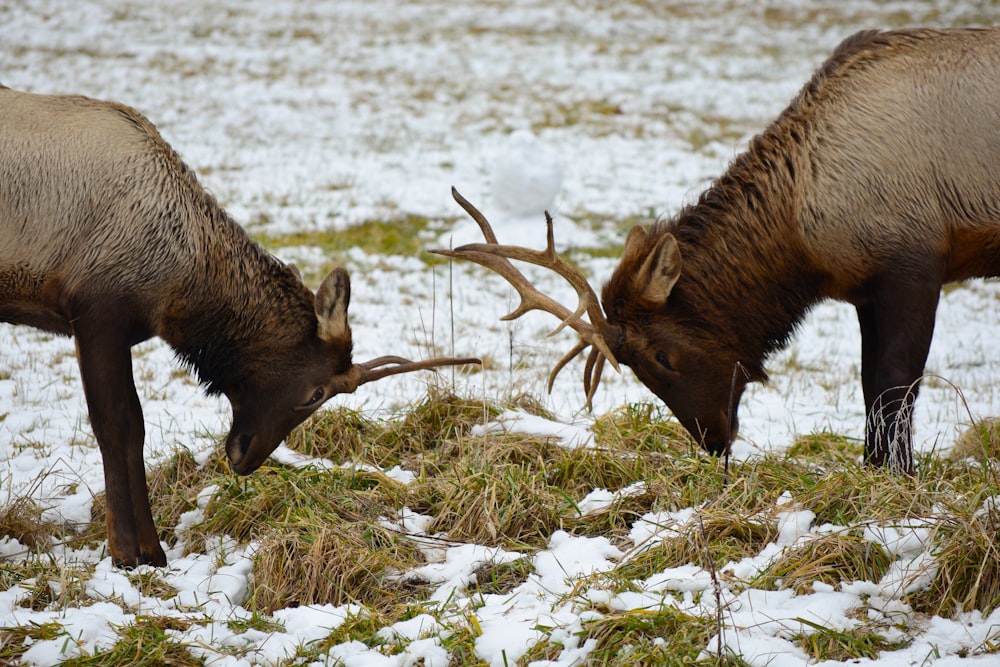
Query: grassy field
322	534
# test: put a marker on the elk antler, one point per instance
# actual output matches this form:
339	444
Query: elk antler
378	368
496	257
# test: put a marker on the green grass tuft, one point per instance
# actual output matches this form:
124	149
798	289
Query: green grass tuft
146	642
846	645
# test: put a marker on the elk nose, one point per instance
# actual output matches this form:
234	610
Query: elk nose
236	450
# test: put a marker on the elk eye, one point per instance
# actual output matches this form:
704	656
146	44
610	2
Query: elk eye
661	358
315	398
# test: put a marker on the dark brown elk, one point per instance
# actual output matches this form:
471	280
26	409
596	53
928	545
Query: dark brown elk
107	236
877	185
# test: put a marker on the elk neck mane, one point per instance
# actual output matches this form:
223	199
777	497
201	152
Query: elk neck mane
746	280
239	304
746	277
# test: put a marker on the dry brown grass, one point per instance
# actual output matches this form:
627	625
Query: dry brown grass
337	564
479	498
980	442
21	519
967	546
321	535
710	540
830	559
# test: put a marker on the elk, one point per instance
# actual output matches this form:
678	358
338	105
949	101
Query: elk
108	237
875	186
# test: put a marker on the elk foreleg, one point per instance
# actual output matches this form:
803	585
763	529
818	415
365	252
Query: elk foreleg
896	332
116	419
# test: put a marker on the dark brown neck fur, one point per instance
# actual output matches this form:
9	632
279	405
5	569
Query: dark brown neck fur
238	305
745	281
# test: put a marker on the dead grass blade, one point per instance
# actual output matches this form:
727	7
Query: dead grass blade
21	519
967	546
347	562
830	559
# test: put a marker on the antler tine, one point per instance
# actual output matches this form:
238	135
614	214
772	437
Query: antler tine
372	364
580	346
531	299
496	257
474	213
592	375
371	370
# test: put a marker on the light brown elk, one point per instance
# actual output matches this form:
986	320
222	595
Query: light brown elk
878	184
107	236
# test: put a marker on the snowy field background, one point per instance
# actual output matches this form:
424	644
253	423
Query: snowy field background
310	116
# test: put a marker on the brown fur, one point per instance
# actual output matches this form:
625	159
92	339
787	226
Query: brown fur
875	186
106	235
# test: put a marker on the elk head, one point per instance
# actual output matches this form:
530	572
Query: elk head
695	380
299	377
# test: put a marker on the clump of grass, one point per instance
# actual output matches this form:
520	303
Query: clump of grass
440	417
345	435
979	442
830	559
754	487
642	427
48	583
501	578
362	626
150	582
21	519
460	643
340	563
257	621
14	641
716	538
320	535
145	642
968	560
853	494
843	645
248	508
825	447
577	471
480	500
341	435
665	636
580	470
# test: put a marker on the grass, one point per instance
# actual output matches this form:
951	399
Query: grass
830	559
147	642
14	641
323	534
968	554
665	636
21	520
406	235
843	645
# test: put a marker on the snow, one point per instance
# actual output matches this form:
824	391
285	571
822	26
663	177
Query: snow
318	116
527	176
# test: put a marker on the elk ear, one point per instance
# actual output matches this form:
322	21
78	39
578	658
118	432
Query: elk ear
635	241
332	299
660	270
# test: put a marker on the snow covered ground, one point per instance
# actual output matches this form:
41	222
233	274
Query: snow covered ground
317	116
